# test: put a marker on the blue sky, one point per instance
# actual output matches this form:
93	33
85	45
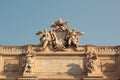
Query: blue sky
21	19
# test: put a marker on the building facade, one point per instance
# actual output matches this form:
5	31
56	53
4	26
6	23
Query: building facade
59	56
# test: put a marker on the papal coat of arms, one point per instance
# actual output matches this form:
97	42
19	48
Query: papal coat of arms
59	37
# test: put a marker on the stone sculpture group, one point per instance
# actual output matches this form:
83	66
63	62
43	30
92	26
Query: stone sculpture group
59	55
69	38
50	38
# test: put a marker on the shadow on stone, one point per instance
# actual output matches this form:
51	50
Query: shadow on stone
109	70
11	71
74	70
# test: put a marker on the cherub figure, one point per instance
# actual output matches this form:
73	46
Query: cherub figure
45	38
72	37
29	63
93	63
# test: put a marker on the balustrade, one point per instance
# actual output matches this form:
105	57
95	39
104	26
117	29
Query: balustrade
20	49
106	49
12	49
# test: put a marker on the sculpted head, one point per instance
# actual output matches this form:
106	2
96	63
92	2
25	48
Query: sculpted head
60	20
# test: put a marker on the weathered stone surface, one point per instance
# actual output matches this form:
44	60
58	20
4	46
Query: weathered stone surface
59	56
59	64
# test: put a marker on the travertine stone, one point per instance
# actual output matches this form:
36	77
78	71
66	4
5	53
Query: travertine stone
59	64
93	64
60	37
29	63
59	56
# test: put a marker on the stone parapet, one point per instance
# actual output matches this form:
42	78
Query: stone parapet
100	50
59	56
